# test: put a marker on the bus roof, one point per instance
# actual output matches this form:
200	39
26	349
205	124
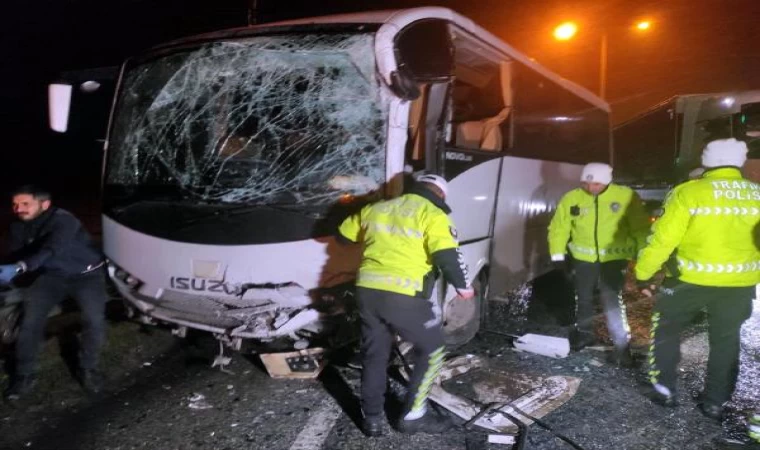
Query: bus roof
401	18
739	96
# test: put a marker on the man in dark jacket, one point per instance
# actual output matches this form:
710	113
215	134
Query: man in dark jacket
54	258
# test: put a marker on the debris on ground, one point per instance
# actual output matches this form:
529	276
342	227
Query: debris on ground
198	401
507	439
554	347
301	364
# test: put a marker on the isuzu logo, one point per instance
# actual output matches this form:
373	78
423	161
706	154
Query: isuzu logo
202	285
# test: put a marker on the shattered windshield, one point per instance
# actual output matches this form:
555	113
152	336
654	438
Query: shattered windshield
260	120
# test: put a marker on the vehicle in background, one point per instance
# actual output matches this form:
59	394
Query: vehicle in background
232	156
657	149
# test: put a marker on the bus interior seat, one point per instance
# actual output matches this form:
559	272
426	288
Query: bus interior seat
486	134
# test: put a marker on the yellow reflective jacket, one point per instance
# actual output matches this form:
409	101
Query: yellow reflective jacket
402	238
610	226
711	225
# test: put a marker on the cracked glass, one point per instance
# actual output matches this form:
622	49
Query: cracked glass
280	119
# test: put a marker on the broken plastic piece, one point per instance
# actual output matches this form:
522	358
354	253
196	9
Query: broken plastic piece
501	439
198	401
551	346
541	396
222	361
299	364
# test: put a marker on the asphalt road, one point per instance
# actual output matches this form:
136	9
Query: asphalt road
163	394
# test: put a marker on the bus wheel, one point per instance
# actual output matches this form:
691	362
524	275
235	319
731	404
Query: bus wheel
461	320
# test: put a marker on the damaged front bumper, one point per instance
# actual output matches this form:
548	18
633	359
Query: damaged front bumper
259	312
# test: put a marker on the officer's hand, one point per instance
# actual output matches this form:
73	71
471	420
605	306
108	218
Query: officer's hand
8	272
645	287
466	294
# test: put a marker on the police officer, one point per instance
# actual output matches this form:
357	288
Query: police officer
405	240
53	257
603	225
709	231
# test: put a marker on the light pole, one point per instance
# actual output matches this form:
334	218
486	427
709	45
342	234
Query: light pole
567	30
603	67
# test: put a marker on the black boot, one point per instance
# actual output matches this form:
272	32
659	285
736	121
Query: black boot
372	426
430	423
20	386
622	358
657	397
91	380
581	339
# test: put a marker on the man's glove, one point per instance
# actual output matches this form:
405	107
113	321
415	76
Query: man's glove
466	293
8	272
561	266
645	287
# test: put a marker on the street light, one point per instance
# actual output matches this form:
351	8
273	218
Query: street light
567	30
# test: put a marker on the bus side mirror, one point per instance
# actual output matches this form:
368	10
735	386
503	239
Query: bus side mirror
425	51
59	105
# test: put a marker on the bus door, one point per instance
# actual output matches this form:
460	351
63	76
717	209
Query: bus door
477	135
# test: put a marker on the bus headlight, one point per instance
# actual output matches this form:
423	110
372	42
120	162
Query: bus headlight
125	277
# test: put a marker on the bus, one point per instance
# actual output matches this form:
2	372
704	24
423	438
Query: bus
660	147
231	157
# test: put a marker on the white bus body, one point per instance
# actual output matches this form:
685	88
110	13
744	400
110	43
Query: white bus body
232	156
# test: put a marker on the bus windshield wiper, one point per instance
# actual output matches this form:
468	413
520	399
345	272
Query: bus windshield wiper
143	202
226	213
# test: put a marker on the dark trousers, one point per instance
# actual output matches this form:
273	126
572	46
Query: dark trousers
610	276
382	315
677	305
47	291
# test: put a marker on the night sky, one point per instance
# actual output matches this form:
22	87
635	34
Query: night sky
693	46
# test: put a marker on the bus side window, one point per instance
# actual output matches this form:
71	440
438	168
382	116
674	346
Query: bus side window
482	103
553	123
747	125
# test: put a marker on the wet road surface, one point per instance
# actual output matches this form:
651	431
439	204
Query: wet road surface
162	394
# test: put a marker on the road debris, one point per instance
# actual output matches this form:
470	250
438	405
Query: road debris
299	364
198	401
507	439
554	347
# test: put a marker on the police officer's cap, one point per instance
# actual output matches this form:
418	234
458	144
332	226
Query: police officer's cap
436	180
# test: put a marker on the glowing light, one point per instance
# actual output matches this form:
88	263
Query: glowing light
564	119
643	25
565	31
728	102
346	199
480	198
89	86
533	208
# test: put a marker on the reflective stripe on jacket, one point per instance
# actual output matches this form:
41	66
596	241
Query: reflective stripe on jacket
711	225
401	237
607	227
